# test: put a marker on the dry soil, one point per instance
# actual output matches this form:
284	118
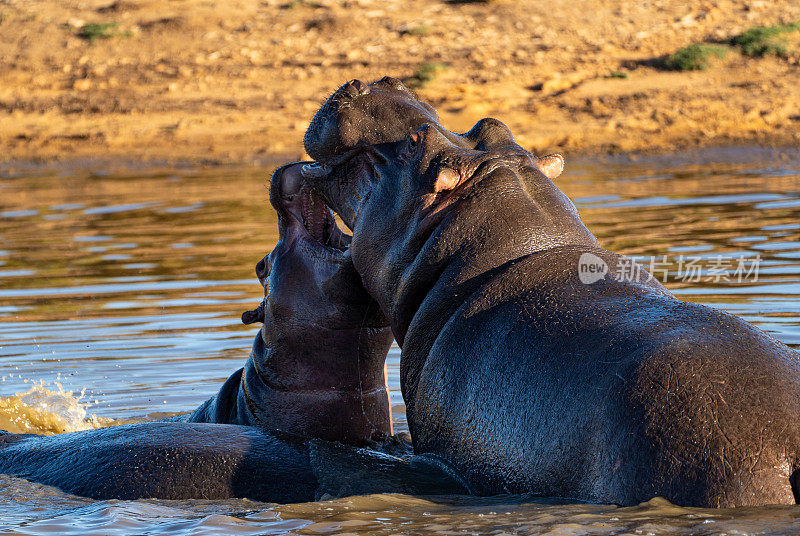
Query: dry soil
238	81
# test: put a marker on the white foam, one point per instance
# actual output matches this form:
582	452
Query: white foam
41	410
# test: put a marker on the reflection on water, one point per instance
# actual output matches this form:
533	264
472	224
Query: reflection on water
128	288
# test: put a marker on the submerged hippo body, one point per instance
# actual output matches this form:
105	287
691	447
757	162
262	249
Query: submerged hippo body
314	381
164	460
317	368
524	378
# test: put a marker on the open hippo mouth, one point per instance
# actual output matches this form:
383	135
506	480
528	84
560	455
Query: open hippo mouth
344	181
304	219
303	213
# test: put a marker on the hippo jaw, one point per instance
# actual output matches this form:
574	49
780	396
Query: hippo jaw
302	217
303	214
317	286
342	134
346	184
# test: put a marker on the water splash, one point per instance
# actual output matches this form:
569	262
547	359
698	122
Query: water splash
41	410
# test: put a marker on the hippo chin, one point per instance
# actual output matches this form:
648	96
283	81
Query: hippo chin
314	381
317	368
526	379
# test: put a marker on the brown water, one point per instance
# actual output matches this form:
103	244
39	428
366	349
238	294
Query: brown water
120	297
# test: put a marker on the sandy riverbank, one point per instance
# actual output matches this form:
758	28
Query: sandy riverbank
221	82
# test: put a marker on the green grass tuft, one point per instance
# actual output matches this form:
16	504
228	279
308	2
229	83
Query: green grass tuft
301	3
694	57
94	31
617	74
765	40
418	30
426	73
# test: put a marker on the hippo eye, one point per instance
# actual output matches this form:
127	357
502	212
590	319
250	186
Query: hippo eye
410	148
414	141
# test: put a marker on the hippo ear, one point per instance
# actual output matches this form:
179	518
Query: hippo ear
551	165
447	179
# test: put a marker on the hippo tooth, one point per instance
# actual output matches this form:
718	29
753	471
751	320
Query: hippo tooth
315	171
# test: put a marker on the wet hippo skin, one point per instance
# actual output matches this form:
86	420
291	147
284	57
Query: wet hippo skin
164	460
317	368
522	377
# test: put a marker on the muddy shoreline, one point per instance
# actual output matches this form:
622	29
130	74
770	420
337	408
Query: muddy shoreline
192	82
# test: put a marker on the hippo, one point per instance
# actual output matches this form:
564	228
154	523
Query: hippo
317	367
282	429
520	372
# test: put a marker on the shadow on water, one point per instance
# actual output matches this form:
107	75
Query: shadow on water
127	287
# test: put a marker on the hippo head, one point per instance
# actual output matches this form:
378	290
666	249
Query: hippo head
322	332
358	116
384	111
359	113
308	277
417	203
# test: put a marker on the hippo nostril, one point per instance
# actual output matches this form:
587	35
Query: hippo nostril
393	83
356	87
362	88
